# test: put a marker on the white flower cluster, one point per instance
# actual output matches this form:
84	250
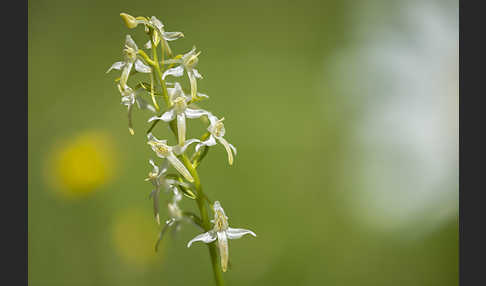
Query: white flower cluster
180	107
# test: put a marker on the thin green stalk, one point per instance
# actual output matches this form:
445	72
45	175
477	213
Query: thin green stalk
201	197
218	276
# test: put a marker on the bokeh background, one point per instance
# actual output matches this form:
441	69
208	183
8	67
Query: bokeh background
344	113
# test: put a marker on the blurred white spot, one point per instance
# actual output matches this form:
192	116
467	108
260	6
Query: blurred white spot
402	81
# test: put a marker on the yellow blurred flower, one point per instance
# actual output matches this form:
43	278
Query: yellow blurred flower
80	165
134	235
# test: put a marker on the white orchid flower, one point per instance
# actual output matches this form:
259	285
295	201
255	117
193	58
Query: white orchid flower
176	215
157	25
130	59
217	131
180	111
163	150
129	98
221	232
187	63
159	180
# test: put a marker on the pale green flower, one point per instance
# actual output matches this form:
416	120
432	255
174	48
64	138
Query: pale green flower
179	110
221	232
157	25
163	150
130	60
159	180
129	98
216	130
187	63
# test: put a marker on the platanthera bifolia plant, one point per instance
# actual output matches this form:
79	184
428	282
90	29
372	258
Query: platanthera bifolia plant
180	109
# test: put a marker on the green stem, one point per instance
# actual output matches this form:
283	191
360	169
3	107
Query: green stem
201	197
218	276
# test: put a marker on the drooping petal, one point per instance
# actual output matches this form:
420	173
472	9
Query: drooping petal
177	72
127	68
116	66
233	148
172	36
228	149
167	116
211	141
168	223
155	198
181	128
206	237
223	249
193	81
197	74
130	125
195	113
180	167
141	67
236	233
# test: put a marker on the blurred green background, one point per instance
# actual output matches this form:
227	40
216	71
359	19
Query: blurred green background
344	114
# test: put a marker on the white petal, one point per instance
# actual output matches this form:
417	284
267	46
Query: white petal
212	119
195	113
192	80
148	45
180	149
223	249
156	22
236	233
172	36
156	168
181	128
127	68
141	67
130	125
180	167
228	149
167	116
233	148
197	74
130	42
206	237
211	141
202	95
177	72
116	66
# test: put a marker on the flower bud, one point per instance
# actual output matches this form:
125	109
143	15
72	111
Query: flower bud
129	20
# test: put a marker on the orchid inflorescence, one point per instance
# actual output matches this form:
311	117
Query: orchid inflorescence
180	107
